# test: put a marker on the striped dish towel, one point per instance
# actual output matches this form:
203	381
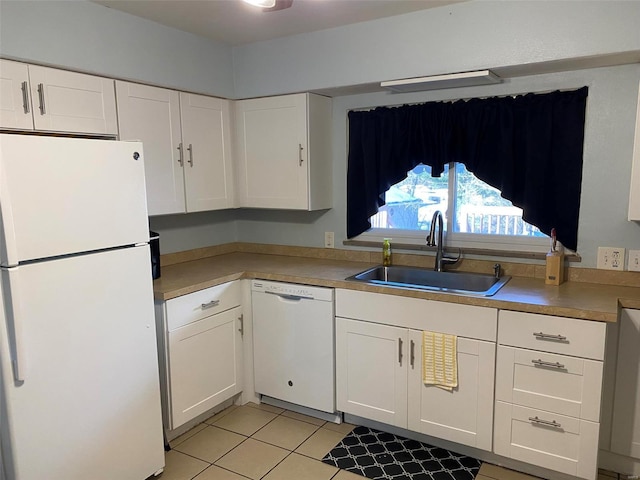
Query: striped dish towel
440	360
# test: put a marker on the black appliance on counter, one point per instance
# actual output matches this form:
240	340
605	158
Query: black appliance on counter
154	243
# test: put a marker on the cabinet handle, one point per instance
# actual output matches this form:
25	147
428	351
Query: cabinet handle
212	303
25	96
400	351
180	159
413	352
190	148
542	363
41	98
241	329
547	423
300	148
546	336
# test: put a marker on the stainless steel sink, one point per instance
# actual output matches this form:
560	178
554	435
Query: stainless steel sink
424	279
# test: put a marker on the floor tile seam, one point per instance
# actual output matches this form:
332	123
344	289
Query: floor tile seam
225	469
238	433
294	448
194	457
228	452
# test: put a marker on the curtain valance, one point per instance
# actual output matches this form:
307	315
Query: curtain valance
529	147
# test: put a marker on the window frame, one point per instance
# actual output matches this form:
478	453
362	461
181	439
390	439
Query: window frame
461	240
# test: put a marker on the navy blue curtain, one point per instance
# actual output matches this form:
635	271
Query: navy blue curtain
529	147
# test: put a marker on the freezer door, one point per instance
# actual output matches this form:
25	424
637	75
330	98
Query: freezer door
66	195
88	405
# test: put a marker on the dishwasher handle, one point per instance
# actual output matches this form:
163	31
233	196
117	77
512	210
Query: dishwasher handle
293	298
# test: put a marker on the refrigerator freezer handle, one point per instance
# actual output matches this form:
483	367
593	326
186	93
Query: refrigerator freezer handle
10	285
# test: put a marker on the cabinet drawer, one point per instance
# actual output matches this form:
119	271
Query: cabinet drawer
568	336
195	306
569	446
555	383
467	321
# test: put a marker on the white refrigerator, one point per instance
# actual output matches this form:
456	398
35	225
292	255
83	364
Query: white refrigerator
79	389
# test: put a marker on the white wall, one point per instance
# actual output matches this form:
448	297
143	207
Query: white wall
608	148
476	34
461	37
88	37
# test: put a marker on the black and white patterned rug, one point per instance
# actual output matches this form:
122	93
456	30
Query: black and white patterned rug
379	455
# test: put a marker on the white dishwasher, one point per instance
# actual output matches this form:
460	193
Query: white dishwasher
293	343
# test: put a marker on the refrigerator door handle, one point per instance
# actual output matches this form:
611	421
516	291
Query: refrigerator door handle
11	289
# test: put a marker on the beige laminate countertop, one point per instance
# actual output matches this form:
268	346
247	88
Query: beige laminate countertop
572	299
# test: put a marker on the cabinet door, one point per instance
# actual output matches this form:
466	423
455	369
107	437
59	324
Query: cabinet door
152	115
371	371
205	365
15	103
206	136
625	435
72	102
272	152
464	415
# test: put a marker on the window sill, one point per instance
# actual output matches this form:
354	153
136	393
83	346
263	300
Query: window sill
570	257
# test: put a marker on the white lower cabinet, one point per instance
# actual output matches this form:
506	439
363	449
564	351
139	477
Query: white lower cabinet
379	365
548	391
465	415
371	377
200	339
625	431
549	440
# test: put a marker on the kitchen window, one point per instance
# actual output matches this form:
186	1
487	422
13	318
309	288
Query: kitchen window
475	214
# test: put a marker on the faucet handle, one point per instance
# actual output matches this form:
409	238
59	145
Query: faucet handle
429	240
452	260
496	270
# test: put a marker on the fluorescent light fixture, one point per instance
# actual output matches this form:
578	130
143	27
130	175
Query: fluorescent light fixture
261	3
449	80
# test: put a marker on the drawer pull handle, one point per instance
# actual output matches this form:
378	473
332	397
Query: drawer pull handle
211	304
546	336
413	352
542	363
547	423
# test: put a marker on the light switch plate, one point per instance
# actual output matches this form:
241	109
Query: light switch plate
611	258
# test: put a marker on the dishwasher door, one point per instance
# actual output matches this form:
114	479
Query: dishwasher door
293	341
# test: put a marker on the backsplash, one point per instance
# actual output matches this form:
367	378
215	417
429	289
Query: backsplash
530	270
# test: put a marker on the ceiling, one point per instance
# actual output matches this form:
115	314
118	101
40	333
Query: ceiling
236	23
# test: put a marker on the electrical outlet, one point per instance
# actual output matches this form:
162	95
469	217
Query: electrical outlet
634	261
328	240
611	258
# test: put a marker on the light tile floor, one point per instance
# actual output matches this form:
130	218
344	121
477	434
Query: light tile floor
265	442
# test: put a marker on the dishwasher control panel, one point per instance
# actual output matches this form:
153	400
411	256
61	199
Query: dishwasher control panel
293	290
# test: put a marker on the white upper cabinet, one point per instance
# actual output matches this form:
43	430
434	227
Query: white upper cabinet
187	144
152	115
284	152
634	196
56	100
206	137
15	101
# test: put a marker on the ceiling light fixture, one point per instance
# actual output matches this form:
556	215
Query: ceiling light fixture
449	80
261	3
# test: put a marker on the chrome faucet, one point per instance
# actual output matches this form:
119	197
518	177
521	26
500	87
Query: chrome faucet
441	258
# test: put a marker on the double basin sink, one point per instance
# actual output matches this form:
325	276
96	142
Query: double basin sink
460	283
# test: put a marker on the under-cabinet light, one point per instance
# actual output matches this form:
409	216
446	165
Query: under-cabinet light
449	80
